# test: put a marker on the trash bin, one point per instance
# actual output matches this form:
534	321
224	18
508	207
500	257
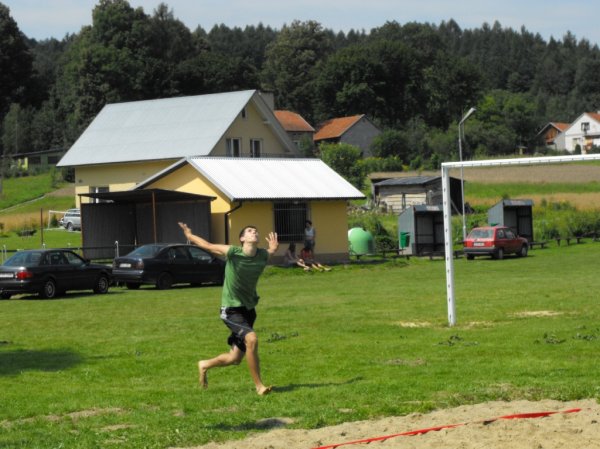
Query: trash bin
404	239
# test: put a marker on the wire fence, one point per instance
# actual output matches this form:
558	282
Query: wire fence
116	249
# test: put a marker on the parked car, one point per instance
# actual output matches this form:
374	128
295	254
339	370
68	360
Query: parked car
71	220
495	241
165	264
50	273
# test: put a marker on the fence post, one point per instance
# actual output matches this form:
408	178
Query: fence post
116	248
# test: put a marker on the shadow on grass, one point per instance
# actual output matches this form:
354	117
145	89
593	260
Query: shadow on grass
15	362
274	423
292	387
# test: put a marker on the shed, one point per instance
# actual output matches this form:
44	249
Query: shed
137	217
399	193
272	194
422	227
516	214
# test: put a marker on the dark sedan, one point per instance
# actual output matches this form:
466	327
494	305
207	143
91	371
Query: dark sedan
165	264
50	273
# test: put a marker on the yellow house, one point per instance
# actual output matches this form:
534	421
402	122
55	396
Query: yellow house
129	142
272	194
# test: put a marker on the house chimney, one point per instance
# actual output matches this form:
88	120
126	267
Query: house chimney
268	98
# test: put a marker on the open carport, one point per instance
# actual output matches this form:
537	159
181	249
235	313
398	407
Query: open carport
137	217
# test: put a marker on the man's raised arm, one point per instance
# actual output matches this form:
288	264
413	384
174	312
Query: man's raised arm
213	248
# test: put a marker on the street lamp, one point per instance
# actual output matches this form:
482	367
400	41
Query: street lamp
462	182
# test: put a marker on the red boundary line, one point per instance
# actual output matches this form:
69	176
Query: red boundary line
450	426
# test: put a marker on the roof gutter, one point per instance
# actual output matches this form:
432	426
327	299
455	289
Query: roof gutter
226	217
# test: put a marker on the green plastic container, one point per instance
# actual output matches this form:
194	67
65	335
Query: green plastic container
404	239
360	241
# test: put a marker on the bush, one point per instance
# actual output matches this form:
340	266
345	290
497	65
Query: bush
559	220
368	220
375	164
343	158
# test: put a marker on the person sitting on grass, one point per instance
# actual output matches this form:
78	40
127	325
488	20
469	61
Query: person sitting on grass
292	260
307	256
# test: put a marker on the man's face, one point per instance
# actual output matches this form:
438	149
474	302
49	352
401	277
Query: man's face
250	236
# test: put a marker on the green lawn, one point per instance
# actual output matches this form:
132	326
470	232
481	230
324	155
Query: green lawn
362	341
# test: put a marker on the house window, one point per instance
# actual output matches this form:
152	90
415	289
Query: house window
244	115
255	147
99	190
585	126
234	147
290	219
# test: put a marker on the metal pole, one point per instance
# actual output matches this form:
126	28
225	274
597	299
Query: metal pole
449	253
154	216
462	184
462	181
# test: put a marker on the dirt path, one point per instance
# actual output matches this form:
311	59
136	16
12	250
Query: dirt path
561	430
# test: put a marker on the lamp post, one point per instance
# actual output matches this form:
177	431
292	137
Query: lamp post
462	182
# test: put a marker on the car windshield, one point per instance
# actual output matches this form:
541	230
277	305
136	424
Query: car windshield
146	251
24	259
481	234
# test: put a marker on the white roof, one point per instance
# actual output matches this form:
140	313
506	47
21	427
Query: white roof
270	179
169	128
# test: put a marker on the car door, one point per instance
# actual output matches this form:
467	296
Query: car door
81	276
180	264
512	243
59	269
206	269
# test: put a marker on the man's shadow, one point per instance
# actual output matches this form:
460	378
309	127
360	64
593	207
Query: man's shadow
17	361
292	387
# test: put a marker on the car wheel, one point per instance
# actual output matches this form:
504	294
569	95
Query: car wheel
69	226
5	295
500	254
470	257
132	285
49	289
523	252
102	284
164	281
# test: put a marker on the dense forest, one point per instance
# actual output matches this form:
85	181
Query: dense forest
414	80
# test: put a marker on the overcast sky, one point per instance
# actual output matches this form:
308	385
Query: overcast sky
41	19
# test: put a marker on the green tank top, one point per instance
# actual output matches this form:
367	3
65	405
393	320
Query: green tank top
241	276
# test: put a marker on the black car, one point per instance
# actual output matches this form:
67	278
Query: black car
51	272
165	264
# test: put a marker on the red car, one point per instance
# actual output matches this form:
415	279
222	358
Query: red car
495	241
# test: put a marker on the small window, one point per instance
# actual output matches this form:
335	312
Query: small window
178	253
234	147
585	126
200	256
73	259
243	114
255	147
102	189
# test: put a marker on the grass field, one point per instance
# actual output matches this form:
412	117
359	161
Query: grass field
364	340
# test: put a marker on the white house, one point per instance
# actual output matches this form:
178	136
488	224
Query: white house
584	131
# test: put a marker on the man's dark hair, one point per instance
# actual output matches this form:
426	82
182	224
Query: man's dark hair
244	229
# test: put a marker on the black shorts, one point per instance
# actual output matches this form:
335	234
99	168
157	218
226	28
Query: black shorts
240	321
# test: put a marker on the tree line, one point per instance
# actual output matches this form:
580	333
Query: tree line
415	81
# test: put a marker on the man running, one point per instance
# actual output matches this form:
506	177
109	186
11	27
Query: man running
244	265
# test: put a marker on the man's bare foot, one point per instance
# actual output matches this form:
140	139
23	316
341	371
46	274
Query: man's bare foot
263	391
202	374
